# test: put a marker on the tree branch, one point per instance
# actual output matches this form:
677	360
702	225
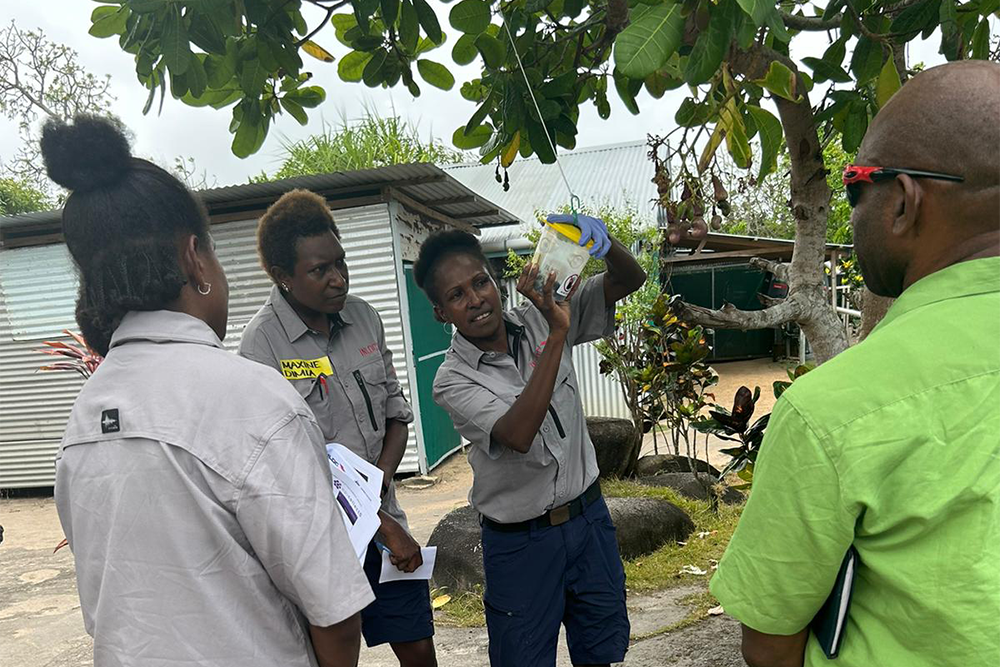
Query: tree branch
779	269
329	13
731	317
811	23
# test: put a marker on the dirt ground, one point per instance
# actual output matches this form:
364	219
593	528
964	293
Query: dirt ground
41	625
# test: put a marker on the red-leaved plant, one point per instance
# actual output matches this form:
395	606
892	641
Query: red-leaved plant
79	358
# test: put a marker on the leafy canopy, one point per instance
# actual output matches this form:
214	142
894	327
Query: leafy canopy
248	54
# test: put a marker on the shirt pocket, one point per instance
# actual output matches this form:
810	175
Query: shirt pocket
369	394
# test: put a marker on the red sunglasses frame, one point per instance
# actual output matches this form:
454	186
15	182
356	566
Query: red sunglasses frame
857	174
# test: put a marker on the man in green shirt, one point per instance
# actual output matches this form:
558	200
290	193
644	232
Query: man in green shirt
894	445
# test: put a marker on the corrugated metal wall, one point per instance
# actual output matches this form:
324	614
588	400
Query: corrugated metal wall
601	395
38	296
368	243
37	299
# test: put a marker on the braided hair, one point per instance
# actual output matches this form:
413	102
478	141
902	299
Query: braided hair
121	223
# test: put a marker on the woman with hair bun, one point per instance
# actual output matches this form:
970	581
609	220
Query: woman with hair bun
200	514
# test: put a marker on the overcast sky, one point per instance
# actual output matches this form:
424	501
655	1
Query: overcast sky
203	133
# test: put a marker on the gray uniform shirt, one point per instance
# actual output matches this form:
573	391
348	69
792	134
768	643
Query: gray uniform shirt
195	493
358	391
477	388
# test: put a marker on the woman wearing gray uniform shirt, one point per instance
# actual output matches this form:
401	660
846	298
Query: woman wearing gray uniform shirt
200	514
330	346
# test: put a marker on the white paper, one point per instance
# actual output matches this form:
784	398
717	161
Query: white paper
369	473
357	506
392	573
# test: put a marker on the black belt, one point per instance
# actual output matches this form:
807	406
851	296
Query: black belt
554	517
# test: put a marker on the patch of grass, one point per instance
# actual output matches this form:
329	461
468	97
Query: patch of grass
662	568
464	610
699	602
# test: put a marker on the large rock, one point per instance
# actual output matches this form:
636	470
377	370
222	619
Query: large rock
643	525
614	441
655	464
690	486
459	564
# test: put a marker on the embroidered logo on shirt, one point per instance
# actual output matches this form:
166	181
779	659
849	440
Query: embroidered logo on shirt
369	349
306	369
538	353
110	423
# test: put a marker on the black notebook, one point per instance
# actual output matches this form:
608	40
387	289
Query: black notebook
829	623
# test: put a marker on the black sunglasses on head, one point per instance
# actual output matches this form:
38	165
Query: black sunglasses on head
856	175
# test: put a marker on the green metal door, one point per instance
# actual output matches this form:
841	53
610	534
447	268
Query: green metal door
430	341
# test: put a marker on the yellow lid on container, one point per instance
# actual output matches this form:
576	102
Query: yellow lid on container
572	232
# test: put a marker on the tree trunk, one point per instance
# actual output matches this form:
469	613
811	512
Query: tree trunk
873	309
807	303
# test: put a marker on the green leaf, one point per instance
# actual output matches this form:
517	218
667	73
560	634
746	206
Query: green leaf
758	10
626	92
390	11
409	27
372	75
532	6
491	49
866	60
915	18
480	115
252	77
711	46
981	41
855	126
108	21
769	130
178	85
220	69
435	74
540	143
295	110
470	16
428	21
206	34
474	139
780	81
736	136
826	71
464	51
713	144
692	114
644	46
146	6
987	7
888	83
309	97
249	136
352	66
196	76
174	43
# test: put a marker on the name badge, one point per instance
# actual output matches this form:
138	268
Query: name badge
306	369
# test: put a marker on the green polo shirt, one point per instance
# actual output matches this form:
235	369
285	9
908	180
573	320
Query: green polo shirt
894	446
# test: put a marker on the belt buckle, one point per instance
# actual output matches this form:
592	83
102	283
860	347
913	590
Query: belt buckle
559	515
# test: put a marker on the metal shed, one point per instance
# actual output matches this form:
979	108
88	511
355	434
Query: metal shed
384	214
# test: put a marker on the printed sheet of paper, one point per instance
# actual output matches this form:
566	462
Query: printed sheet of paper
371	474
391	573
357	506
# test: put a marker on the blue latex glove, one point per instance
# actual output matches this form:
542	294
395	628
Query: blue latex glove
591	229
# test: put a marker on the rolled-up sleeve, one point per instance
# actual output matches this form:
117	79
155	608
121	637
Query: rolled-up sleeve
792	536
591	317
473	409
289	515
396	405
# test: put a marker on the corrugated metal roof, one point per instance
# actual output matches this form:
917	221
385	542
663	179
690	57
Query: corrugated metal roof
618	175
426	184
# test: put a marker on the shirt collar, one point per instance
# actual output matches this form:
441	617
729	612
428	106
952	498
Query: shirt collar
293	325
471	354
164	326
974	276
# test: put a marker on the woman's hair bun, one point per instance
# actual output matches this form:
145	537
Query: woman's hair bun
91	152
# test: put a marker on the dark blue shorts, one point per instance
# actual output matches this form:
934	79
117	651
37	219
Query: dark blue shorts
569	574
401	611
